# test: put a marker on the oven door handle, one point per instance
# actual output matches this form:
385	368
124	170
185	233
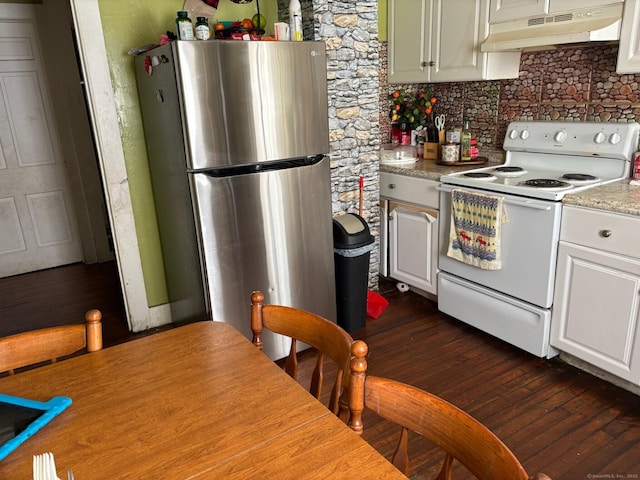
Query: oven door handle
527	204
511	201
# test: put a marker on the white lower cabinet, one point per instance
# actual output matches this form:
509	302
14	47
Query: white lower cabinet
596	307
413	246
409	234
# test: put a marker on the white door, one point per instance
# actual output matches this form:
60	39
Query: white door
596	314
506	10
409	43
629	48
413	246
37	223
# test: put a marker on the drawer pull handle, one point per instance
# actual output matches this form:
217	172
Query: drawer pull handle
605	233
392	185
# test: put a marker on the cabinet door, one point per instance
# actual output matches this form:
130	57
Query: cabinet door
596	309
459	27
629	48
413	247
556	6
439	41
505	10
409	44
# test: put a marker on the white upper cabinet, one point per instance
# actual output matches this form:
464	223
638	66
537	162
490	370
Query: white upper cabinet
567	5
439	41
629	49
507	10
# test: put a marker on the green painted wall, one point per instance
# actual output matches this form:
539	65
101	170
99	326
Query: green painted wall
382	20
130	24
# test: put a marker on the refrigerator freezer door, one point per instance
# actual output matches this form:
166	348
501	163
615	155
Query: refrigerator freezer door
268	231
247	102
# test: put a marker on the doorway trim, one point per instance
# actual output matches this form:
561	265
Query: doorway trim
104	119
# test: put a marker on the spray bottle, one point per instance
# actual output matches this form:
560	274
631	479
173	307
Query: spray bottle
295	20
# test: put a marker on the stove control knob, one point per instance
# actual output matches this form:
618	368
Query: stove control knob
524	135
513	134
560	136
614	139
599	138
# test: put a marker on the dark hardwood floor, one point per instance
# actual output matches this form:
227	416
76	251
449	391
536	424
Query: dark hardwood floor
63	295
554	417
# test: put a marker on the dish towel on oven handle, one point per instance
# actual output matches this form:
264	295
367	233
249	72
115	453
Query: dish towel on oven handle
476	224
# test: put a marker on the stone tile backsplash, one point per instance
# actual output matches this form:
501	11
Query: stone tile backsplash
568	84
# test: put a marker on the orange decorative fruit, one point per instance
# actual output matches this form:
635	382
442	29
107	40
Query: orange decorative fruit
428	110
396	94
433	100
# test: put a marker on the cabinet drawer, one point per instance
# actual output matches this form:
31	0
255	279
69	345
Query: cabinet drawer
417	191
611	232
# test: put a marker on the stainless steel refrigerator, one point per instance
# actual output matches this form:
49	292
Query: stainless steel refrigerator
237	139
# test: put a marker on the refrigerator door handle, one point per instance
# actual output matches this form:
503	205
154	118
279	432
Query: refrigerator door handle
260	167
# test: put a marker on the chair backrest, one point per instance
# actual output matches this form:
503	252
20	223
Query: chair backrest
457	433
329	340
49	344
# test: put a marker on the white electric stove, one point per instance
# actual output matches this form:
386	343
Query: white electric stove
544	162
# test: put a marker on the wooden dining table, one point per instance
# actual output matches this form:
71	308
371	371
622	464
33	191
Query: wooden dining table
195	402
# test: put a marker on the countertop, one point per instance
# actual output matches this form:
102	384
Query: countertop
618	197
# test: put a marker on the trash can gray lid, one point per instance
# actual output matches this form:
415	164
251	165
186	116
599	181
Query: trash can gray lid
350	223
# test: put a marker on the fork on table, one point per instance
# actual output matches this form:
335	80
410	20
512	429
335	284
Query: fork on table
44	467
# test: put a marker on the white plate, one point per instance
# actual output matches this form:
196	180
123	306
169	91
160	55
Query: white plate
397	161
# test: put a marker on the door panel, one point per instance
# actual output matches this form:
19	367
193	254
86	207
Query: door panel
11	238
36	215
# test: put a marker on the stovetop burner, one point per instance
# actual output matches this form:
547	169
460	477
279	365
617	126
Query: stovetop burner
508	171
579	177
480	175
545	183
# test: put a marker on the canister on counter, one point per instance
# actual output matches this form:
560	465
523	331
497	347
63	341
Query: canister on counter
451	152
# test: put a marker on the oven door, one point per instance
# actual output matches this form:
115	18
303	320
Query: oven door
529	246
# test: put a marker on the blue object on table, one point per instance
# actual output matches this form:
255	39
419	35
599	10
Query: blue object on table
20	418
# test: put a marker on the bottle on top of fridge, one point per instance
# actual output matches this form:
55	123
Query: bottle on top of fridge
202	29
465	142
295	20
185	26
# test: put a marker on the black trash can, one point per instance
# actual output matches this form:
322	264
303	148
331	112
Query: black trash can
352	244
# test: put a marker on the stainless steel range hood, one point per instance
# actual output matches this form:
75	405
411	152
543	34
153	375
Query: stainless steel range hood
551	30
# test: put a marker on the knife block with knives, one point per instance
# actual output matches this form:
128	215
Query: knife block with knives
433	149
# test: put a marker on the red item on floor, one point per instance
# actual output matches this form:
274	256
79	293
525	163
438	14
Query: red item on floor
376	304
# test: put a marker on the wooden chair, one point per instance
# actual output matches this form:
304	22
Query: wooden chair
49	344
461	436
329	339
